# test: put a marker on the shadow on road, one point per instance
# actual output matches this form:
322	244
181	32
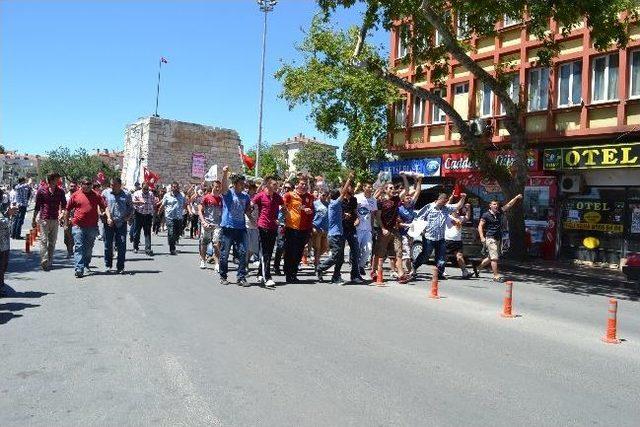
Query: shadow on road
577	281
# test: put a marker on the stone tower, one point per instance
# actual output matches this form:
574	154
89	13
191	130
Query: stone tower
170	148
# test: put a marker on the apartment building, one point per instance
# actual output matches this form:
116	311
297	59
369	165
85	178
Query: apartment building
582	117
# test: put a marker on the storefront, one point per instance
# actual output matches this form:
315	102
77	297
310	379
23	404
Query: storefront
599	201
539	196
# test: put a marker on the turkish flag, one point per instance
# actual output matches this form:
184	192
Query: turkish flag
101	177
248	161
151	178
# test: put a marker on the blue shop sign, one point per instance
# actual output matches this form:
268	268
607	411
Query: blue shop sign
429	166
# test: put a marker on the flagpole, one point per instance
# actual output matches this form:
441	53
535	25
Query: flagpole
158	87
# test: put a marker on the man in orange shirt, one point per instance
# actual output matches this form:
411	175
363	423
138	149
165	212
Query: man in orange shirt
298	211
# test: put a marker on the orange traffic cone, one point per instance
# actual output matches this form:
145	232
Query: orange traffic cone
612	323
507	304
379	277
434	284
305	261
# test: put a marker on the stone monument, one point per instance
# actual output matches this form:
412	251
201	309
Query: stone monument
176	151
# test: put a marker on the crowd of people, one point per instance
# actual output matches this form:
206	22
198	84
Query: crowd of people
259	224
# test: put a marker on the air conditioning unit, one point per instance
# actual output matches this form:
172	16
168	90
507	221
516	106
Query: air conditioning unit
572	184
479	126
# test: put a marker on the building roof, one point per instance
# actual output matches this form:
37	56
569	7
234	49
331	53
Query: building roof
302	139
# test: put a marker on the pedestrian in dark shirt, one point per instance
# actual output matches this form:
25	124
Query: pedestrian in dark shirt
50	204
490	230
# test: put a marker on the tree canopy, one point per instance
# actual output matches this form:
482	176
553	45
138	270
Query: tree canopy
318	159
341	96
75	165
272	160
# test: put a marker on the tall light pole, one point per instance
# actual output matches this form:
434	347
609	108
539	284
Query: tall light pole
266	6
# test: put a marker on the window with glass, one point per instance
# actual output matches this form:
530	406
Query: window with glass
401	113
418	110
461	88
462	28
604	79
513	89
538	89
570	84
485	100
402	49
509	21
634	84
438	116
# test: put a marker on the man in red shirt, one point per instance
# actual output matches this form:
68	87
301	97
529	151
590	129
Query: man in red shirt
85	205
268	203
298	211
50	204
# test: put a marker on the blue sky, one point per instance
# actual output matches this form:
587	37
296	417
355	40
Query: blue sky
75	73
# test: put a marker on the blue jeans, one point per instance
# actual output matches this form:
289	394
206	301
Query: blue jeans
427	247
238	238
83	239
118	235
18	220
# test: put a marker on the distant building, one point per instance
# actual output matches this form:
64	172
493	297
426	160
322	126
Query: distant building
112	158
292	145
14	165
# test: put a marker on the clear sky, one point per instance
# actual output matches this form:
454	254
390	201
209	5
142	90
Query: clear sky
75	73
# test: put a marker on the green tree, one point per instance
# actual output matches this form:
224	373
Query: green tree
273	160
318	159
422	18
341	96
74	165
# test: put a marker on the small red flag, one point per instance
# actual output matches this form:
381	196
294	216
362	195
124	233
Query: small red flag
163	59
248	161
151	178
101	177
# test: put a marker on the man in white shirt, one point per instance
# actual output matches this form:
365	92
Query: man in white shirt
367	206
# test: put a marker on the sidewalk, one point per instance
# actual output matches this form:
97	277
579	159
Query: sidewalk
567	277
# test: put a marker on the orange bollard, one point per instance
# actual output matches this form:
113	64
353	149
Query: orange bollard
612	327
379	277
434	284
507	304
305	261
27	244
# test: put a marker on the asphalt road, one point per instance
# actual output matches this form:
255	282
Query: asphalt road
167	345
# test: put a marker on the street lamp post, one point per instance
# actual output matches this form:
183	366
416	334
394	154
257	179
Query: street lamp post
266	6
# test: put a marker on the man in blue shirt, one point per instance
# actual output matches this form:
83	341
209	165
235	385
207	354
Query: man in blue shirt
173	204
336	235
23	194
319	241
235	204
120	207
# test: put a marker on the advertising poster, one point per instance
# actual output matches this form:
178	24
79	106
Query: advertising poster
198	162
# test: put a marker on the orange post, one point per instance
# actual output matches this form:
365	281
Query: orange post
507	304
379	277
612	323
27	244
434	284
305	261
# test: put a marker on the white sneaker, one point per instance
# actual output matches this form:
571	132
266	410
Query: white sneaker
270	284
259	279
203	265
216	267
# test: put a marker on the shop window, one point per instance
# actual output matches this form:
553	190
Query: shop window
570	84
438	116
418	110
513	89
538	89
604	78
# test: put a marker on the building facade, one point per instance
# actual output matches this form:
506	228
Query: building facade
291	147
176	150
14	165
582	118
